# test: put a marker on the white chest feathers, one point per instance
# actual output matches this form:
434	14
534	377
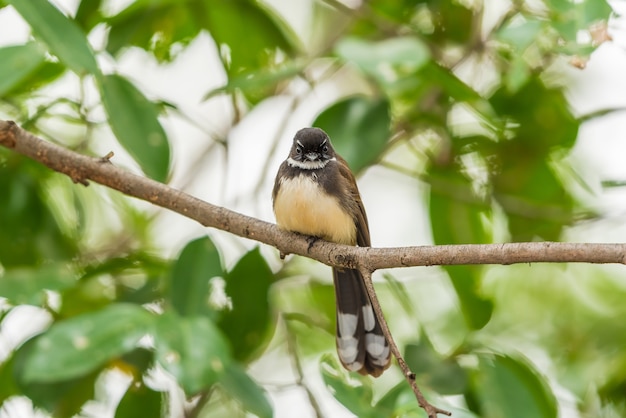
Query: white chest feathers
301	205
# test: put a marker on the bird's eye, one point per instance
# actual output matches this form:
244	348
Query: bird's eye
298	150
325	149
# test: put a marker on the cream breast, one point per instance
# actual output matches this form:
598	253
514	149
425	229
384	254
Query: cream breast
301	205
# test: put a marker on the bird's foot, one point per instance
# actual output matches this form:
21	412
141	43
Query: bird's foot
311	240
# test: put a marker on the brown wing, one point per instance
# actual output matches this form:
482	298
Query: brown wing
362	226
279	174
361	345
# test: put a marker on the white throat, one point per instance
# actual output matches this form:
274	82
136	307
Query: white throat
308	165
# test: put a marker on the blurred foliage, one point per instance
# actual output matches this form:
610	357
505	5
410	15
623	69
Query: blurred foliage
118	306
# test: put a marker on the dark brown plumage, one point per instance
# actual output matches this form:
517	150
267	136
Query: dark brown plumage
316	194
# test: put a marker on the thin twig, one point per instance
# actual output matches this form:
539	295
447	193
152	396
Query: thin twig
430	409
292	347
200	402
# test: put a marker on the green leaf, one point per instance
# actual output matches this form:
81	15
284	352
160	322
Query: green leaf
64	397
572	16
359	128
62	35
520	33
534	199
30	231
456	216
190	280
238	384
137	362
537	121
247	53
8	385
146	274
541	118
29	286
134	121
88	14
456	210
140	401
154	26
385	60
153	270
352	390
399	401
402	12
517	74
87	295
320	304
309	311
592	11
386	406
443	375
509	387
399	292
130	262
476	308
258	84
192	349
434	73
248	324
17	63
452	22
41	76
78	345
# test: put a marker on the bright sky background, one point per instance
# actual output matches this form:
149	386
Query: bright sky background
599	154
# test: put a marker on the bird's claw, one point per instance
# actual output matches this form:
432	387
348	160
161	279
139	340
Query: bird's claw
311	240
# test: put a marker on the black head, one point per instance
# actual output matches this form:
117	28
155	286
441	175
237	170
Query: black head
311	145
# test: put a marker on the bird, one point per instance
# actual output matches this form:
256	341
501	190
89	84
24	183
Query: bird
316	194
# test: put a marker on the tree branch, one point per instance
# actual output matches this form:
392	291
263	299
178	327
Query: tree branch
81	169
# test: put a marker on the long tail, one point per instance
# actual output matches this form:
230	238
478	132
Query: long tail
361	345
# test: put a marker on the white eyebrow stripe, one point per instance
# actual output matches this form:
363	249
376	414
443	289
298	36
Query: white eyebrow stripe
325	140
299	143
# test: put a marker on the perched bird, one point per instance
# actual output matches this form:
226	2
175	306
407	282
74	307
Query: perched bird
316	194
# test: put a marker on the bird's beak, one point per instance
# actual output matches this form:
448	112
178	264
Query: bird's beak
312	156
